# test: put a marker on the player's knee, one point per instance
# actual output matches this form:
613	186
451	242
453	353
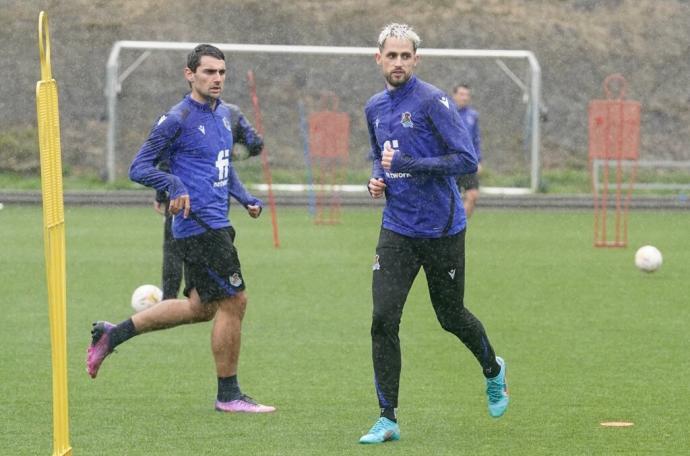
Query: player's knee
452	326
207	314
241	305
454	322
203	311
461	323
235	305
382	324
197	310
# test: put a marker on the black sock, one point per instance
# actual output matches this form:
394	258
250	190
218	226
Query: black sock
390	413
122	333
228	389
492	370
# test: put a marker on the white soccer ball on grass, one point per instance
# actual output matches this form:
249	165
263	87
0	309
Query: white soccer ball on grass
146	296
648	258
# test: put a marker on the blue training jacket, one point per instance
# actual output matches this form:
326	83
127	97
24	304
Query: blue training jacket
242	133
196	141
432	147
471	119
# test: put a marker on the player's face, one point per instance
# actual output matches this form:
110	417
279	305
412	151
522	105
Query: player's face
208	79
397	60
462	97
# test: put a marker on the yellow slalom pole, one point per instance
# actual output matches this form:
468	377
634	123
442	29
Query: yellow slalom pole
54	235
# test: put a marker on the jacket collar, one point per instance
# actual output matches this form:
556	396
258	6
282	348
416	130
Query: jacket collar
401	91
201	106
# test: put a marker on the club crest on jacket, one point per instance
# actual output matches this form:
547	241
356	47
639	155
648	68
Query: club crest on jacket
406	120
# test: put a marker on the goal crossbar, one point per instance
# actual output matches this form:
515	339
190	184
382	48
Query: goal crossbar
114	80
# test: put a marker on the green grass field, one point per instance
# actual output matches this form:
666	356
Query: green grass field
587	338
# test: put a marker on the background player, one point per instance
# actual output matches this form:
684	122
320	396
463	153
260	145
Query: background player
469	183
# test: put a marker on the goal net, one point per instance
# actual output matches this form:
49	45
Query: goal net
144	79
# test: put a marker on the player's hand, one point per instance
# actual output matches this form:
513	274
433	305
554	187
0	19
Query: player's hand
387	156
181	203
158	207
376	187
479	168
239	152
254	211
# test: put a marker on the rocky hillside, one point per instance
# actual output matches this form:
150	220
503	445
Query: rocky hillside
577	42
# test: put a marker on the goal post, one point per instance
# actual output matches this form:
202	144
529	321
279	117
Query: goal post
115	77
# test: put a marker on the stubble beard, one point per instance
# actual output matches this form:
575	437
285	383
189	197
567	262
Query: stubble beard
397	82
212	98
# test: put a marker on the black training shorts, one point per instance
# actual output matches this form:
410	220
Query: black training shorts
468	181
211	264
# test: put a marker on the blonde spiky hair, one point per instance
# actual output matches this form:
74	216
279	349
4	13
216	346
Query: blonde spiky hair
396	30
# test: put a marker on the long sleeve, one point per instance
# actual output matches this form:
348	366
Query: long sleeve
244	133
143	168
238	191
461	159
445	165
162	195
477	139
374	154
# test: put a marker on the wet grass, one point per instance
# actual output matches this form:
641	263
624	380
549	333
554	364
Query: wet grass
587	338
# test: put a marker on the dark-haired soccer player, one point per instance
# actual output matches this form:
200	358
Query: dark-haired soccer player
196	137
419	145
246	143
469	183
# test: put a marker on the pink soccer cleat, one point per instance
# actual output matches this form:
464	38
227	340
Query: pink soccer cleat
244	404
100	346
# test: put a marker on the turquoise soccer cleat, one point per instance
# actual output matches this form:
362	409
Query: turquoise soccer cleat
497	391
384	430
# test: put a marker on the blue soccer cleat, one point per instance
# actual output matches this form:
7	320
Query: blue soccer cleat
497	391
384	430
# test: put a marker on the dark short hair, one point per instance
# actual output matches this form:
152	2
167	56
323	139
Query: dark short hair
463	85
194	57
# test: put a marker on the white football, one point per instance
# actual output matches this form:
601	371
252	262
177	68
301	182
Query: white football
146	296
648	258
